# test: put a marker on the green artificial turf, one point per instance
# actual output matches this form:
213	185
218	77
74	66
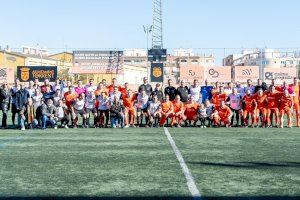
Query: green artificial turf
248	163
89	162
140	163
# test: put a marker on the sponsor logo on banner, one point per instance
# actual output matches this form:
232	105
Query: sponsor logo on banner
213	73
279	74
220	74
27	73
190	73
243	73
246	72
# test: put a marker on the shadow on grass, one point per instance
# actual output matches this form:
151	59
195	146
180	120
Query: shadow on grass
248	164
153	198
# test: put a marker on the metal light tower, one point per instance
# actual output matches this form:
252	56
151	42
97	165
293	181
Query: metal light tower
157	35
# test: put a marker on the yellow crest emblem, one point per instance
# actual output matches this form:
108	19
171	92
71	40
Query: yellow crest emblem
25	74
157	72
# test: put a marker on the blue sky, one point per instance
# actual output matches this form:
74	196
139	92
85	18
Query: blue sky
118	23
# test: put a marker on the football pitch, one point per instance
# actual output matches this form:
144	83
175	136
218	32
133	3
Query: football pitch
141	163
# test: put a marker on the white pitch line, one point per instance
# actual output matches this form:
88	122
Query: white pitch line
188	176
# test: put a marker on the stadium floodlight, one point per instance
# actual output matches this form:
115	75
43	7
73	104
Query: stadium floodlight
147	30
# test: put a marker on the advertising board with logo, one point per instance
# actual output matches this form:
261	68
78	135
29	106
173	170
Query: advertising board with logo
280	74
105	62
243	73
27	73
7	75
157	72
220	74
190	73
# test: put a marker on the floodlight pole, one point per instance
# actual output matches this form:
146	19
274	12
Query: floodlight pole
147	30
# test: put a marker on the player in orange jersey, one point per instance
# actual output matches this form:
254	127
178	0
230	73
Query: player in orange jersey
113	85
215	88
178	111
218	97
286	107
124	89
296	96
222	115
101	88
249	109
70	96
261	111
167	111
191	111
273	103
130	113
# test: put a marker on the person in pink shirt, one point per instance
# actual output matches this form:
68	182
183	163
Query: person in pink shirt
80	89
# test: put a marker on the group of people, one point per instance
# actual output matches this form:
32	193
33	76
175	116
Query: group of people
61	104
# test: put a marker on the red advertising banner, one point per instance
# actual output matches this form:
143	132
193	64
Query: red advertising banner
220	74
7	75
190	73
243	73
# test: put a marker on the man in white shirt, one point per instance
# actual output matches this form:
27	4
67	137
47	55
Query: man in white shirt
195	90
91	87
154	112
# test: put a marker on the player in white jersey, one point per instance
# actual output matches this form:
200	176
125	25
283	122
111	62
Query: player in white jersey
90	108
142	107
115	93
228	88
91	87
154	111
56	97
195	91
235	103
78	109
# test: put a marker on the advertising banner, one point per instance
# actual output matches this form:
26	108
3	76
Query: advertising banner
157	72
280	74
7	75
190	73
102	62
243	73
220	74
27	73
